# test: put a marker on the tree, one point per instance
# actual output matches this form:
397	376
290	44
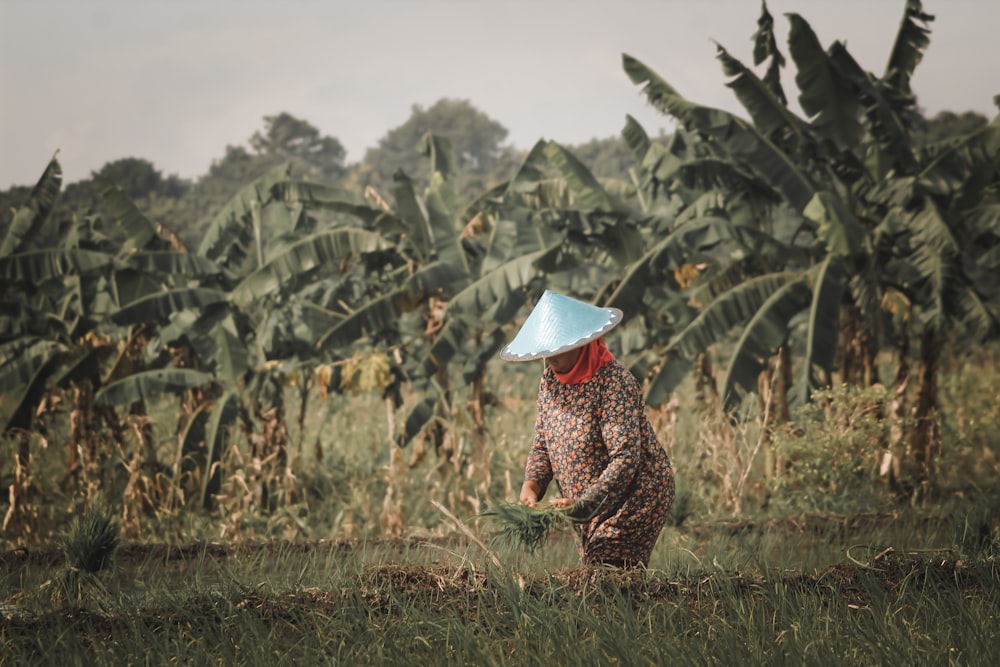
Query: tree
287	138
476	139
140	179
58	287
948	124
610	157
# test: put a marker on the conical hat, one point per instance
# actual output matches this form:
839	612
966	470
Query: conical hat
559	323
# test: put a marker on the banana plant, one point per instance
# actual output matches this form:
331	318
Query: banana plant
549	221
49	294
60	281
476	262
942	224
871	215
819	168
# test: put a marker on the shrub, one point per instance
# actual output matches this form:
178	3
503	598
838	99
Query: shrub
832	452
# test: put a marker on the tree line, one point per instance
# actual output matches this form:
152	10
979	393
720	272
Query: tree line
483	158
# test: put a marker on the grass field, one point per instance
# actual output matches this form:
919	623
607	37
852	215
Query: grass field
877	589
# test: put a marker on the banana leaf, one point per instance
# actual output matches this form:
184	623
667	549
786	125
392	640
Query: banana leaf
328	248
37	266
149	386
728	311
31	215
482	294
159	307
230	231
741	140
761	337
823	329
587	190
140	233
31	396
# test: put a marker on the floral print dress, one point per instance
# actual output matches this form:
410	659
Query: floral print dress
595	440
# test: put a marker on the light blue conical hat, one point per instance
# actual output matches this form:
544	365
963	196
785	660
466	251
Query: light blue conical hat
559	323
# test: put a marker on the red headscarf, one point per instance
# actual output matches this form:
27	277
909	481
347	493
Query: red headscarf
593	356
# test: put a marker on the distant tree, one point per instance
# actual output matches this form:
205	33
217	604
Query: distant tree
948	124
236	168
606	158
476	139
286	137
137	177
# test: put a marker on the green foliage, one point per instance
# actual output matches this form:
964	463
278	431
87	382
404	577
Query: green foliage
476	139
92	540
140	179
872	210
140	232
833	451
285	142
287	138
947	125
609	157
147	386
36	209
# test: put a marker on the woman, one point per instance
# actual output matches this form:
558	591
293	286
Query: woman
591	434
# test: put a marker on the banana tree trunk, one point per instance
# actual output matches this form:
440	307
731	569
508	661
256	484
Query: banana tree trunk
706	392
479	457
859	355
773	388
143	429
272	450
925	441
781	410
305	385
393	518
78	445
895	446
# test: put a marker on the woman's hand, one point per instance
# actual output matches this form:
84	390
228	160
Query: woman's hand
530	493
562	502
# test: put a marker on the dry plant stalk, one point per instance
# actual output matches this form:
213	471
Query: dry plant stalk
465	529
393	517
22	517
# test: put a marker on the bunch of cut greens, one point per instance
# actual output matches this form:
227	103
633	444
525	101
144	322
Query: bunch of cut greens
527	526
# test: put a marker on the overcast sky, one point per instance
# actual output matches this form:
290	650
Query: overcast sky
176	82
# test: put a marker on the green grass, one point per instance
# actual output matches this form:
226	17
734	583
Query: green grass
413	603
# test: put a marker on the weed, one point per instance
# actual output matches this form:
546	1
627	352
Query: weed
92	540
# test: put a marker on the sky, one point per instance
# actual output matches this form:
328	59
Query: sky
177	82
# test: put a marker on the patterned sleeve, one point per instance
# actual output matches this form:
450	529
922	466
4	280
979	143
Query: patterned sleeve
622	414
539	468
